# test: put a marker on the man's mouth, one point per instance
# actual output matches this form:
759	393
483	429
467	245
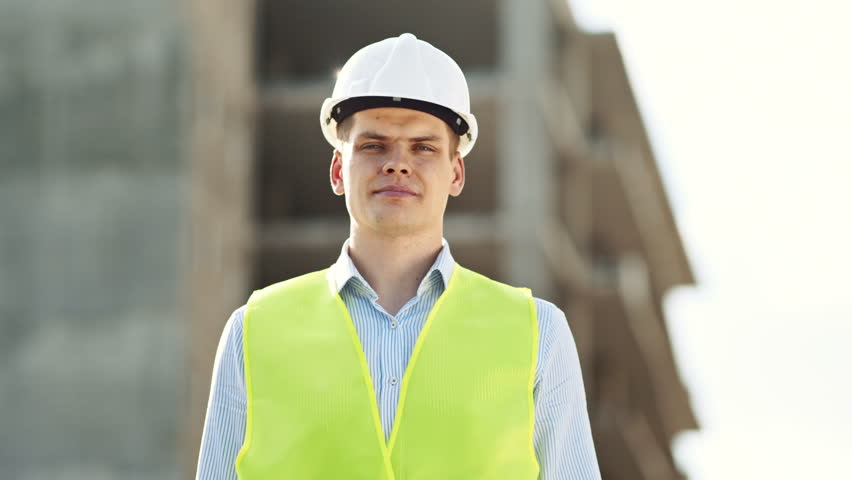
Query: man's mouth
395	191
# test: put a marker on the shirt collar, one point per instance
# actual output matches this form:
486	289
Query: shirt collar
344	269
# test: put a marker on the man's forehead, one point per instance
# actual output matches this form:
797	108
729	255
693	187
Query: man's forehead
394	120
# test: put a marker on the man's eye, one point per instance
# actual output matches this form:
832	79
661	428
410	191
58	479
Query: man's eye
371	146
424	148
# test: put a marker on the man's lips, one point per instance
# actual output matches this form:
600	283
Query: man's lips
395	191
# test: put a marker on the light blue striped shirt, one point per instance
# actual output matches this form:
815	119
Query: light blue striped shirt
562	436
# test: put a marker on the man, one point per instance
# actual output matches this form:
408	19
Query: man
396	363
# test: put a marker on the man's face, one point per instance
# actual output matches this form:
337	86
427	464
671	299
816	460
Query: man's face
396	169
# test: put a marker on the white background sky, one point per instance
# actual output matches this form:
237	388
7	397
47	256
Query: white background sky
749	106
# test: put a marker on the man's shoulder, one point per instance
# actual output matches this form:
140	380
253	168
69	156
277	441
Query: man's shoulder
547	312
545	307
288	290
554	333
550	316
472	277
236	318
297	281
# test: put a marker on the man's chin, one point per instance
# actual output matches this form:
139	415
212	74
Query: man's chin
396	223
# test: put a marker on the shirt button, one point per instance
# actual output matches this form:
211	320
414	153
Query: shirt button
393	324
393	380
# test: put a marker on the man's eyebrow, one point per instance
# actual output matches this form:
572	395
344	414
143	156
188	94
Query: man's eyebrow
372	135
425	138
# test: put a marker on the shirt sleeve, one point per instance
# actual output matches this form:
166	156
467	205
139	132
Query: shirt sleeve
562	437
225	423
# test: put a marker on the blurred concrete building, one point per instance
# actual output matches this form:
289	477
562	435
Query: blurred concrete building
91	199
563	193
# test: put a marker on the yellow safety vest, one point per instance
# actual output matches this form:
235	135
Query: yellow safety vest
466	401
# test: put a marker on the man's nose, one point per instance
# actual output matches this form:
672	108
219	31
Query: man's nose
397	162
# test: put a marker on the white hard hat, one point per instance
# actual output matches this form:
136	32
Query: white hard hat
402	72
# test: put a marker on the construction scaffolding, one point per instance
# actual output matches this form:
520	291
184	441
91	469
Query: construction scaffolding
562	195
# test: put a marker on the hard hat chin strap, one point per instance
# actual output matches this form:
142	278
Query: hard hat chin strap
348	107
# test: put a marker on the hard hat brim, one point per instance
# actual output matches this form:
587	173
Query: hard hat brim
350	106
330	117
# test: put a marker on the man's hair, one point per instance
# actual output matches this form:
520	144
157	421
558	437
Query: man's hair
344	128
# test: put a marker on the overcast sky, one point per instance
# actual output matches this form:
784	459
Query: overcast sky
749	106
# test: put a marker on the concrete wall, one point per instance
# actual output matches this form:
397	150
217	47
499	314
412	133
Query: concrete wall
91	202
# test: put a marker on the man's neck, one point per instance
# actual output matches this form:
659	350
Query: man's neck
393	265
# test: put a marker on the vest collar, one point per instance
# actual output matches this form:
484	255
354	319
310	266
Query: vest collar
344	269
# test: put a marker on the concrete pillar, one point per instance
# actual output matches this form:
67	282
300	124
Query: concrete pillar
525	163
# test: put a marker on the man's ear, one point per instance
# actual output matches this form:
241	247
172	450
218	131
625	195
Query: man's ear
336	173
457	175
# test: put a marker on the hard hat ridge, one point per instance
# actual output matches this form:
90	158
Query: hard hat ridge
404	68
402	72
